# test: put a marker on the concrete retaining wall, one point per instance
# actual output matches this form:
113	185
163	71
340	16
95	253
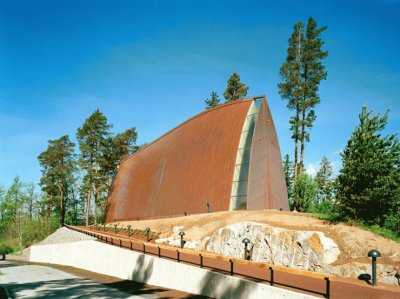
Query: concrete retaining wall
125	264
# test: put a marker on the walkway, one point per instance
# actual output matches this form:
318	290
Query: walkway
37	281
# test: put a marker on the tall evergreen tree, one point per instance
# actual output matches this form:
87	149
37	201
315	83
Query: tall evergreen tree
369	182
288	172
214	101
324	181
235	89
313	72
92	138
301	75
291	87
117	148
57	163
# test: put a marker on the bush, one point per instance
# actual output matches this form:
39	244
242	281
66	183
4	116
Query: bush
392	222
306	191
325	207
5	249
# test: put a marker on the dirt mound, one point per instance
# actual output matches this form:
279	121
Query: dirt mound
65	235
354	243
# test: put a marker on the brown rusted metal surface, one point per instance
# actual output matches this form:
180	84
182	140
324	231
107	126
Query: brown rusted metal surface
193	165
266	185
183	170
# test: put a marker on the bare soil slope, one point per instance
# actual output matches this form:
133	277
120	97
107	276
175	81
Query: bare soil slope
354	243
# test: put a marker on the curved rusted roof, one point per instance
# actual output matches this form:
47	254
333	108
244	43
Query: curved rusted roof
186	168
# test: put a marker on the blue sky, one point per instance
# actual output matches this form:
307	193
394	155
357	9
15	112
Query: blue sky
151	64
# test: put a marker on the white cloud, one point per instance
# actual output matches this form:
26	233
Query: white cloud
312	168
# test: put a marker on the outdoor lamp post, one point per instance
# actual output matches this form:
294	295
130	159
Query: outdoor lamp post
115	227
374	254
182	241
129	230
208	207
147	229
245	241
104	226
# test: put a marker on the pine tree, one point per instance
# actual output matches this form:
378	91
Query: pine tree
117	148
301	74
313	71
92	137
58	164
306	191
324	180
369	182
291	87
214	101
288	173
235	89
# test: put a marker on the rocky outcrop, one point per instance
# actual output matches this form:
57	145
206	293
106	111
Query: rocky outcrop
300	249
175	239
308	250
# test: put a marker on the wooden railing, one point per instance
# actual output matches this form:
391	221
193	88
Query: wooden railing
302	280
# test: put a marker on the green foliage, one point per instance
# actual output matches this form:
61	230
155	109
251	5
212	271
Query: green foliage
288	173
369	182
324	181
58	164
235	89
116	149
5	248
325	207
301	75
213	102
92	138
306	191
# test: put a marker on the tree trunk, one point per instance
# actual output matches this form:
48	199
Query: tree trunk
96	191
62	210
88	206
303	137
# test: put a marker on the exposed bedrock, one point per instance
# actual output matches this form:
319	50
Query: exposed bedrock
308	250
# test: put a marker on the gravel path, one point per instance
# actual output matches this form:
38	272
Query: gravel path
65	235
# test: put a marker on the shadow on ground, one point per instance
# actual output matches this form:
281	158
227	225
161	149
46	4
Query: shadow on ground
64	288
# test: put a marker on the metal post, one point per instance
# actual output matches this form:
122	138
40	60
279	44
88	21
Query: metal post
129	230
245	241
374	254
147	234
208	208
272	275
328	288
374	271
182	241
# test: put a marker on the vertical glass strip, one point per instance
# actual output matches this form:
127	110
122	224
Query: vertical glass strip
241	172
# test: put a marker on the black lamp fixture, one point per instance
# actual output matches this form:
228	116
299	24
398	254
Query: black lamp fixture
182	241
147	229
374	254
246	241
